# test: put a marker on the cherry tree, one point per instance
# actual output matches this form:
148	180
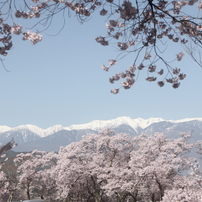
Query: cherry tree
199	146
186	188
45	183
4	195
142	28
152	166
33	173
75	173
27	162
4	182
123	168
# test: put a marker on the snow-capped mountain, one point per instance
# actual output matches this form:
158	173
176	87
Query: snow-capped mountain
35	129
4	129
100	125
30	137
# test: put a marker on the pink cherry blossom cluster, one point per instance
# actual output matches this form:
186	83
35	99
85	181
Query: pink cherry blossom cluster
31	36
5	39
145	29
141	27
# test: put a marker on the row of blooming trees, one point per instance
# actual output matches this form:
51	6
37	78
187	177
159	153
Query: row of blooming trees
110	168
144	28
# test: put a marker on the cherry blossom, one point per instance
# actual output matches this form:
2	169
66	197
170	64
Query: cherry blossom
109	167
145	29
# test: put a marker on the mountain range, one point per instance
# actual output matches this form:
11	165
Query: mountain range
30	137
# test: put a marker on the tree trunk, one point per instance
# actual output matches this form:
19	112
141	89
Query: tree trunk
28	191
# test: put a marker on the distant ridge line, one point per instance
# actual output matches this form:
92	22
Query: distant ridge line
94	125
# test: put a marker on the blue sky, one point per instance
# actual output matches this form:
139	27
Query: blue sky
60	81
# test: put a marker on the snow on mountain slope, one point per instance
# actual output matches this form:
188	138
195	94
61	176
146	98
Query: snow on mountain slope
4	129
32	128
39	131
185	120
53	129
98	124
143	123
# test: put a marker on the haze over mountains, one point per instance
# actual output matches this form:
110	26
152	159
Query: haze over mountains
30	137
